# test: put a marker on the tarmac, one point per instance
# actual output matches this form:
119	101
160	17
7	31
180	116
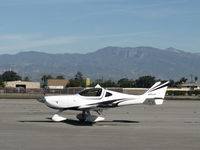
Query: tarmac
175	125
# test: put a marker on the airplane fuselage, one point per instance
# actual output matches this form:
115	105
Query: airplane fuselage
81	102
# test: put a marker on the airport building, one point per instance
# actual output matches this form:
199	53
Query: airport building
191	86
57	83
22	84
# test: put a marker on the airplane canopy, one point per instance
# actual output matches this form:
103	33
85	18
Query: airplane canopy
91	92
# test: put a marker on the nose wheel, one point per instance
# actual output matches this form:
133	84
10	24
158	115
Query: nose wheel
57	118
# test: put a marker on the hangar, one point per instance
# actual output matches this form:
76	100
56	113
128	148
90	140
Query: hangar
191	86
57	83
22	84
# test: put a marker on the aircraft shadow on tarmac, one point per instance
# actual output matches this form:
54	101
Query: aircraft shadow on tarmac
68	121
78	123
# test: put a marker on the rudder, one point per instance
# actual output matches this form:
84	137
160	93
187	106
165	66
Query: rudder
155	95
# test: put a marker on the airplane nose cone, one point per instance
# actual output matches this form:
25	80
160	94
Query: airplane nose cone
41	100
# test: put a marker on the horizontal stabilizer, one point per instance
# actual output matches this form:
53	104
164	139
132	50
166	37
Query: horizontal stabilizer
153	101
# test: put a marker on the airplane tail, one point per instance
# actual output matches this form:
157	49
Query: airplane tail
155	95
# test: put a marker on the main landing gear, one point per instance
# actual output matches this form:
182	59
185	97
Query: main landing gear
85	116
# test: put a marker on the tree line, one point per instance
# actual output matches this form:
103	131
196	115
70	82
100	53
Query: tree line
79	81
142	82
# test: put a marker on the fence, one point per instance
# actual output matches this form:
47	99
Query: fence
69	90
40	91
74	90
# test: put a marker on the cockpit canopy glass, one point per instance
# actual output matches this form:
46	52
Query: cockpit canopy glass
91	92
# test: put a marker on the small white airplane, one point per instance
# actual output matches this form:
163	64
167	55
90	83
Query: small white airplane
98	98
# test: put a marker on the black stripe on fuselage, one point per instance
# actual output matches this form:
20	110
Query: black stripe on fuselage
105	104
111	103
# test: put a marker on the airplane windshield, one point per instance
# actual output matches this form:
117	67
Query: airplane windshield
91	92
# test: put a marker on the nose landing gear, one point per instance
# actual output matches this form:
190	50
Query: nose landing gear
57	118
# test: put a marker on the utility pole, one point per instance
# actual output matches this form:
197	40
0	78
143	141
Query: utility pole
191	78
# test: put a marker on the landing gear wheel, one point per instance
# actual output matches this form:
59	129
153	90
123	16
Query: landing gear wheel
87	117
57	118
81	117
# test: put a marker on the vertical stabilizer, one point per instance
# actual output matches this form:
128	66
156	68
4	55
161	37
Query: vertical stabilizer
155	95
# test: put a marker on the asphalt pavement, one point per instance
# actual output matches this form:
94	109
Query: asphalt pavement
175	125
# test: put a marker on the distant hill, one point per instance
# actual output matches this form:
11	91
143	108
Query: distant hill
108	63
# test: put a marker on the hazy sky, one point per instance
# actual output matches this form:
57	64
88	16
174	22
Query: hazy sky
81	26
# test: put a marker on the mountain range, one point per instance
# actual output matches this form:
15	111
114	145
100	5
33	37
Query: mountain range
107	63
